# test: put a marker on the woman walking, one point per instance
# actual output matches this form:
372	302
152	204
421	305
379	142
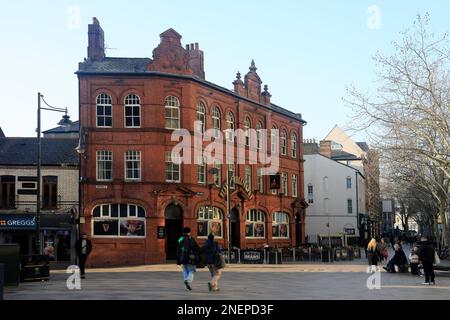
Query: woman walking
212	259
372	255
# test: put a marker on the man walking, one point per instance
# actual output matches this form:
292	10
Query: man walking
212	259
188	255
83	248
426	255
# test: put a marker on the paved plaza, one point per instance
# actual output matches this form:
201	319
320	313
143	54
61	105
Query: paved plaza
339	280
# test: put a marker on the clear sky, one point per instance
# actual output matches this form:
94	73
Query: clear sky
306	51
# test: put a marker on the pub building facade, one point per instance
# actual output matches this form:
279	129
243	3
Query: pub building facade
136	197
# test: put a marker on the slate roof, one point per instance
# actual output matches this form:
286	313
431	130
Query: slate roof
138	66
23	151
363	146
342	155
74	127
2	135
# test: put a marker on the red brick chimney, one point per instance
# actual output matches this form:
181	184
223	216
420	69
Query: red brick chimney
96	46
325	148
196	60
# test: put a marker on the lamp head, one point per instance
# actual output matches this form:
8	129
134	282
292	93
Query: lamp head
65	121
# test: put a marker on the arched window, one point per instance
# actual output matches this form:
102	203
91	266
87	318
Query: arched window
230	126
104	110
255	224
294	145
172	107
209	221
259	135
201	117
132	111
216	121
247	126
118	220
274	140
283	142
280	225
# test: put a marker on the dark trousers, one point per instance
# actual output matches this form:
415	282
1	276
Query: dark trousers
391	266
414	268
82	262
429	272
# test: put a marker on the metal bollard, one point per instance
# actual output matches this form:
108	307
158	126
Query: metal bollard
239	256
293	253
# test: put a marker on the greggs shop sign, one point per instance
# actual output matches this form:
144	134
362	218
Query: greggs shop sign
17	222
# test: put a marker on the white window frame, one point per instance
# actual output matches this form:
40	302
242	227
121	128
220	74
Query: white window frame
103	100
294	183
284	183
255	216
273	141
247	126
348	182
230	126
118	219
133	157
104	156
172	104
350	202
258	135
217	216
132	101
280	218
248	176
175	166
283	142
201	170
294	145
215	115
201	117
217	176
260	180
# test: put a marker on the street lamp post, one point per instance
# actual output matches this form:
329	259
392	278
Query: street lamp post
64	122
229	214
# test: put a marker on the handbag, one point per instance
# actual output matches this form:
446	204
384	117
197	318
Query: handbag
437	261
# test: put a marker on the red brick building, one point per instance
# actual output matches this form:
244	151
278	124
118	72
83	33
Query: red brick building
135	198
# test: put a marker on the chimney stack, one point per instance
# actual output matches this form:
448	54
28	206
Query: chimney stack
325	148
196	60
96	47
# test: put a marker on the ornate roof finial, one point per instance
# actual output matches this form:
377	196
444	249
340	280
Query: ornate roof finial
238	75
266	87
252	66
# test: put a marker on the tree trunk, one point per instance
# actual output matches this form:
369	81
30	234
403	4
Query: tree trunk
444	221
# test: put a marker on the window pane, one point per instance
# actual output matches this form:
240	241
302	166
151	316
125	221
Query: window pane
141	212
115	210
123	210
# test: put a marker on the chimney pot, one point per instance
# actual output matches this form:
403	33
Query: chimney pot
187	47
192	46
196	46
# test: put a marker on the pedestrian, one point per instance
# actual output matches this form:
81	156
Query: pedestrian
384	250
213	261
188	256
426	255
372	255
83	248
399	259
414	261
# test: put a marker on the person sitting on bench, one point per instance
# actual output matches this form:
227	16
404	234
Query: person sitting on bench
399	259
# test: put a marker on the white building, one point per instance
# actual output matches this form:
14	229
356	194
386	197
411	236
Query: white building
335	193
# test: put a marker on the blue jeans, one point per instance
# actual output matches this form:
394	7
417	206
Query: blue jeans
188	272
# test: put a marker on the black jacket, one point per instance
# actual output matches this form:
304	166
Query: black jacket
188	251
78	247
399	257
426	252
211	249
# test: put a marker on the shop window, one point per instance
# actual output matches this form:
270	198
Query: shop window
210	221
118	220
255	226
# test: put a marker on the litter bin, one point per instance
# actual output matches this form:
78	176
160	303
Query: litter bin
35	268
357	253
344	254
2	279
338	254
